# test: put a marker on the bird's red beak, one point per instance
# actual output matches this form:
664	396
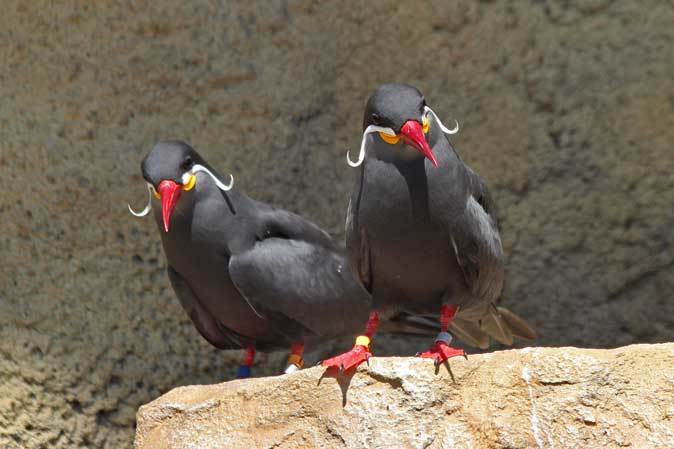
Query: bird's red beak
413	135
170	192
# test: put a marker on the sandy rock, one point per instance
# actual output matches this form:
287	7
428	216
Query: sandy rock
532	398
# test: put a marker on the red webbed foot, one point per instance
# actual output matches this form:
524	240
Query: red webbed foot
440	352
350	359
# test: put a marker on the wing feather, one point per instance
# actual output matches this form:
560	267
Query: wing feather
306	289
477	243
205	323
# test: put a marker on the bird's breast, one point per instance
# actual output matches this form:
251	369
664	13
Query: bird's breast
408	231
197	247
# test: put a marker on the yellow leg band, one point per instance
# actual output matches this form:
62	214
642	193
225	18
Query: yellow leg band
363	340
295	359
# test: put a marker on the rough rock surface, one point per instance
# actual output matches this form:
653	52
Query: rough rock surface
531	398
566	108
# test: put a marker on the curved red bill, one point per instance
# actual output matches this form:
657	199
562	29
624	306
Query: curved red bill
170	192
413	134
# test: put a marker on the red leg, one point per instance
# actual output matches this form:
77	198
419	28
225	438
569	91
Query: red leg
441	351
295	360
248	359
361	350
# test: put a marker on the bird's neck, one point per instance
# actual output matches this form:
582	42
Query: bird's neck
398	154
416	178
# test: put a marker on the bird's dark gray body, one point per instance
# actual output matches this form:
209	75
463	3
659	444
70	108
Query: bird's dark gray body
421	233
248	274
420	236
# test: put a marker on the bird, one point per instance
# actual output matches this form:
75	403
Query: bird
248	275
421	231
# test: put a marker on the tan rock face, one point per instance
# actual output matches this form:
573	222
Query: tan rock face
564	107
532	398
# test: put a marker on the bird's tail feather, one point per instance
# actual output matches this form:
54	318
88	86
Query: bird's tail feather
407	324
496	327
500	324
503	326
469	333
517	325
428	326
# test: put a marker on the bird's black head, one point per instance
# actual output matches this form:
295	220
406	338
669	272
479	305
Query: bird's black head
168	170
171	168
392	105
169	161
402	109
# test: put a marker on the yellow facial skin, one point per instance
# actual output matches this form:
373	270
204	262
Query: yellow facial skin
392	140
190	184
186	187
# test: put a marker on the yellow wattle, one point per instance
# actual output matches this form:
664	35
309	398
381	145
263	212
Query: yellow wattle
156	194
425	125
190	184
392	140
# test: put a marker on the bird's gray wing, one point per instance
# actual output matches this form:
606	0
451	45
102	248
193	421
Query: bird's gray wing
304	288
477	246
207	326
287	225
357	247
477	243
485	263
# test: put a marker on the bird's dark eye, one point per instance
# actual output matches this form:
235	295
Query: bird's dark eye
422	107
187	163
375	119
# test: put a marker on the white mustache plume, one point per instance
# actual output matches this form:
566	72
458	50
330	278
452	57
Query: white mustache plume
145	211
442	127
374	128
369	130
196	168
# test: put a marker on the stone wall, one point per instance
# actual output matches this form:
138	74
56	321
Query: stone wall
566	109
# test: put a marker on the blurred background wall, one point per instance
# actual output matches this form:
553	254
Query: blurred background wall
566	108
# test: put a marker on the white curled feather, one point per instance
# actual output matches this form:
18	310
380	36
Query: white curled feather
369	130
443	127
145	211
224	187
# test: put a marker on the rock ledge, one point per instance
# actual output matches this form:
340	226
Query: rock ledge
530	398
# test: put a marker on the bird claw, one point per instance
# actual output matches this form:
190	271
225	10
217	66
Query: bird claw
349	360
441	352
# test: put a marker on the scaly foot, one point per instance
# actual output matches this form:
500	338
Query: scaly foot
440	352
350	359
